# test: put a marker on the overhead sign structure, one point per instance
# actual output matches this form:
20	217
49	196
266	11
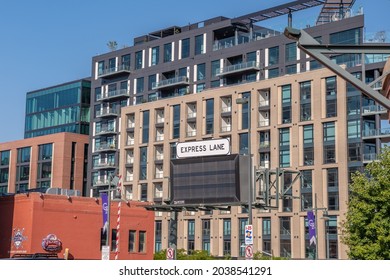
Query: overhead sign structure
213	147
248	235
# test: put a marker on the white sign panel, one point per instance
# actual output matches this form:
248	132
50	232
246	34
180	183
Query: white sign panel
248	235
203	148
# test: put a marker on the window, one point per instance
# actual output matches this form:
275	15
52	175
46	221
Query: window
291	52
201	71
151	81
125	61
143	163
100	68
199	45
329	132
168	52
140	85
144	192
251	57
285	237
158	236
155	55
305	98
226	237
243	140
191	236
332	240
4	157
354	129
291	69
185	48
273	73
331	97
176	121
286	104
284	147
266	235
347	37
132	241
209	116
308	142
24	155
273	56
215	68
306	190
145	126
113	239
333	186
138	60
142	242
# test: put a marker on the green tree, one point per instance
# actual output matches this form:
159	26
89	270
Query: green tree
366	229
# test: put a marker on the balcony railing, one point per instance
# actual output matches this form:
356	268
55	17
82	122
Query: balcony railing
231	41
114	71
105	147
105	131
263	103
159	137
226	128
182	80
113	94
370	157
130	142
373	109
129	178
191	133
107	112
159	157
98	183
263	123
103	165
264	144
251	65
159	175
376	133
191	115
226	109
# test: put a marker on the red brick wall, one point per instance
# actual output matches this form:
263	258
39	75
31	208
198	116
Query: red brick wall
76	222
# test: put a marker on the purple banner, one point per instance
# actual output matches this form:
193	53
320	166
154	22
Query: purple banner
311	220
105	211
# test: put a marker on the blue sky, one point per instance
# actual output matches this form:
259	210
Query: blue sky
49	42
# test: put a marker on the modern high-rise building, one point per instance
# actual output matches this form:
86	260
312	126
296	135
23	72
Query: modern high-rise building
181	84
60	108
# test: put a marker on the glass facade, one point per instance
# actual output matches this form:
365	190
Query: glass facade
63	108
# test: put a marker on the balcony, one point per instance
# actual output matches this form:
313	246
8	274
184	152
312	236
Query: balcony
177	81
226	128
367	158
107	113
105	148
377	133
264	105
115	94
237	68
191	133
106	131
264	146
122	69
100	183
263	123
373	110
104	165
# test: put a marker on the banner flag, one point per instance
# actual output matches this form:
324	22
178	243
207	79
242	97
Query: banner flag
312	227
105	211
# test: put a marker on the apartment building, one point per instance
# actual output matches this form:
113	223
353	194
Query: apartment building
52	161
181	84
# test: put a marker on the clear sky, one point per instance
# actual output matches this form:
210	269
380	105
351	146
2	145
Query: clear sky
48	42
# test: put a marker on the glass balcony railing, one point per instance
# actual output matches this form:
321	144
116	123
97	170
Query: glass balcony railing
373	109
263	123
243	39
182	80
370	157
107	112
113	94
376	133
103	131
251	65
114	71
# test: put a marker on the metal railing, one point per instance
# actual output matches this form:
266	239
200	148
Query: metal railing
114	70
170	82
238	67
376	132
